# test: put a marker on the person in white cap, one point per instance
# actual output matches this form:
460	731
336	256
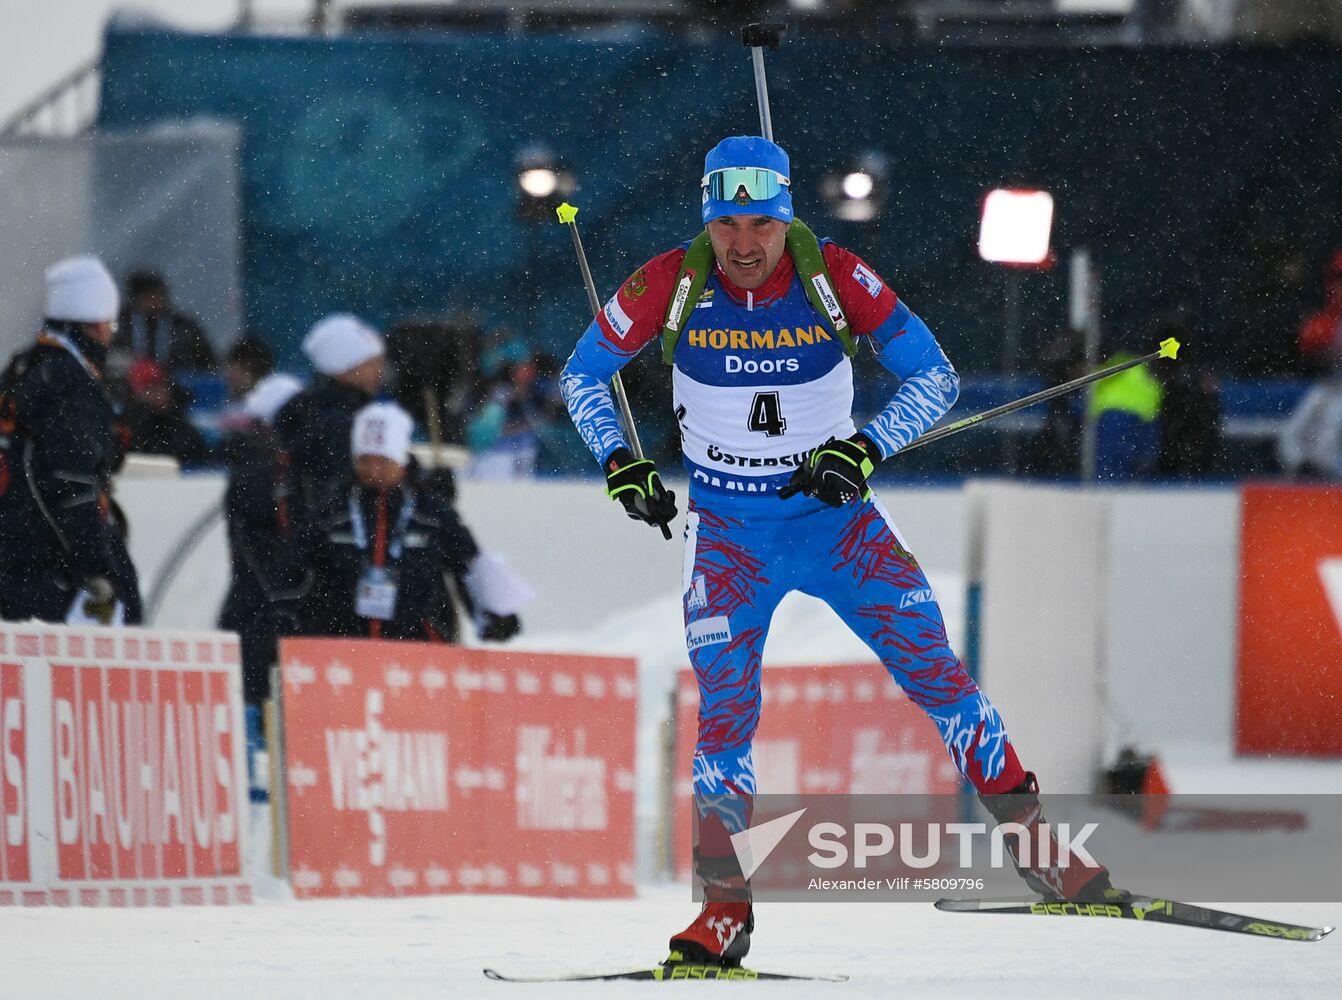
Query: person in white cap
348	356
381	551
267	575
61	555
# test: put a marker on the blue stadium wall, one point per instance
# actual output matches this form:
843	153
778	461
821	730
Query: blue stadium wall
378	171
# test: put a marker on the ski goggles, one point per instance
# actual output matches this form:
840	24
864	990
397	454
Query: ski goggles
744	184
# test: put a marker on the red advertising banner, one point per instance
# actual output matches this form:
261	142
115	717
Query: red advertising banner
145	787
1289	684
15	862
121	768
415	768
845	729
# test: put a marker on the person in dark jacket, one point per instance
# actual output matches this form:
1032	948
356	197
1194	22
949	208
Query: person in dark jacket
149	327
381	552
315	425
267	577
247	362
61	556
1321	332
157	419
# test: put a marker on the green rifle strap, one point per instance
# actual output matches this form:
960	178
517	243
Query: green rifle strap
809	261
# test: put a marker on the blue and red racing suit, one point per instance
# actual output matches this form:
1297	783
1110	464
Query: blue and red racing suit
759	381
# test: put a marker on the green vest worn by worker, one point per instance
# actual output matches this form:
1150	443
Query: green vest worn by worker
1134	391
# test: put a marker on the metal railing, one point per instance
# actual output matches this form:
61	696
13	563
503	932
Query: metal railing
68	107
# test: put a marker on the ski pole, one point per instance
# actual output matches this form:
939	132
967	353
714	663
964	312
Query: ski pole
756	37
568	215
1169	348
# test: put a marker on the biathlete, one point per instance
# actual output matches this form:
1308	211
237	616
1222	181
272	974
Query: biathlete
759	321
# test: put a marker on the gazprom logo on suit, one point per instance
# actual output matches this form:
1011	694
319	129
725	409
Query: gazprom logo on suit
618	319
707	632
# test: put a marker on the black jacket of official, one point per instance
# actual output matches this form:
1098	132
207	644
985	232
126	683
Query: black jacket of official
267	575
166	432
314	428
58	450
422	551
170	338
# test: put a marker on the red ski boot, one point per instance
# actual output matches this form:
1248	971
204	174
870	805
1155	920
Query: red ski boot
720	935
1073	881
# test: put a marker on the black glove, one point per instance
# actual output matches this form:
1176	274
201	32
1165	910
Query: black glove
635	483
498	628
835	473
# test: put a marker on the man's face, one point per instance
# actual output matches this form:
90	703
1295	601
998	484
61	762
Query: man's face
748	247
150	301
101	333
367	376
157	396
378	472
238	379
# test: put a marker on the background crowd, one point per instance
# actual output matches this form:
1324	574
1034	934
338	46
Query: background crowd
492	392
334	528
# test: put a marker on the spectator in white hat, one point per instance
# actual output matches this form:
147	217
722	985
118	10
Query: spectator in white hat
382	550
61	556
314	426
380	444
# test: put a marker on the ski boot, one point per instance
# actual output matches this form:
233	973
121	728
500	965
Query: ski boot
720	934
1074	881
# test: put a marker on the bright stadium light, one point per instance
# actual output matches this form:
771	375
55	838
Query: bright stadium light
1014	232
856	192
1015	227
542	184
538	182
858	185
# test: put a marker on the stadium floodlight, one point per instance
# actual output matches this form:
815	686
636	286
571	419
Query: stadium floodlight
856	193
542	184
1015	227
858	185
538	182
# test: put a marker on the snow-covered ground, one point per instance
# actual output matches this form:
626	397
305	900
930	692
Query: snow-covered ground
436	946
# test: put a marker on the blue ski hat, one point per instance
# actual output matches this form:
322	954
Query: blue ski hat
746	175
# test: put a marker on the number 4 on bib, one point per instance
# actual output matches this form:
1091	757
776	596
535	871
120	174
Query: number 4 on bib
766	416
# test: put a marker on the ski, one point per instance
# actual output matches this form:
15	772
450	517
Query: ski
667	972
1148	909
